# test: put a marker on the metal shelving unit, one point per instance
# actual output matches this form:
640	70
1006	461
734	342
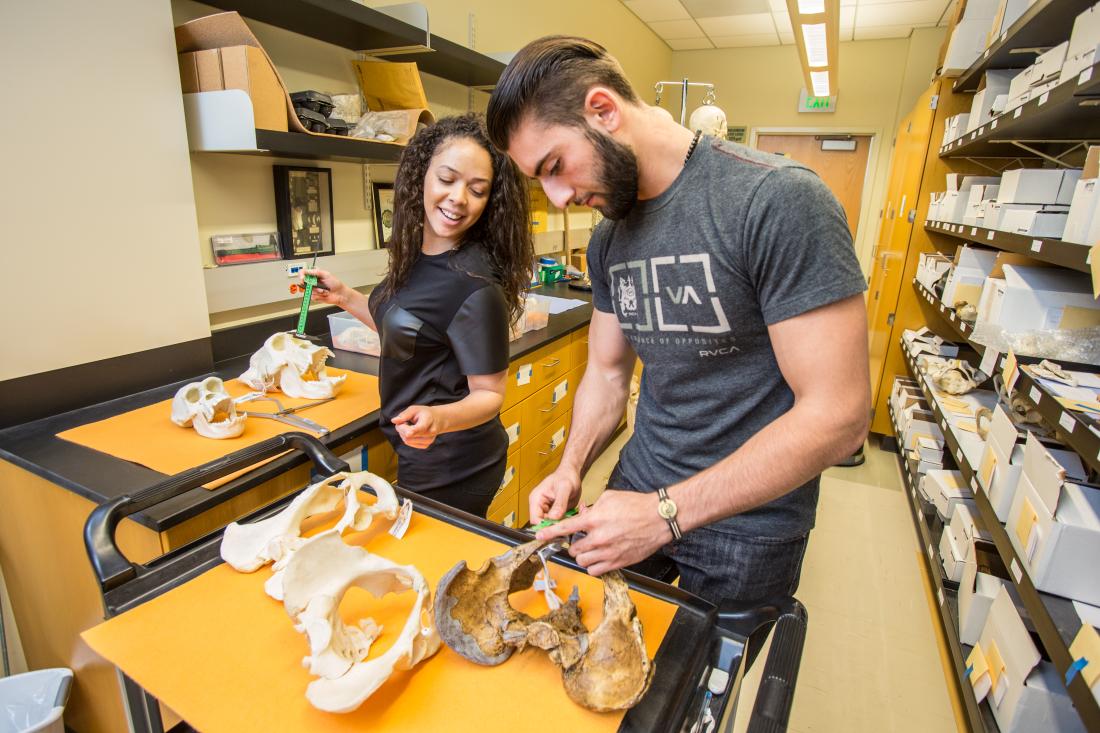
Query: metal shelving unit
297	145
1045	23
1054	619
979	716
1055	251
1050	126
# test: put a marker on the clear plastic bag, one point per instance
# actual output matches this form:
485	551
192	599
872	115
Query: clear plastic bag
1080	345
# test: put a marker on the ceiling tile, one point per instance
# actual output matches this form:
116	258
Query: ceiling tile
909	13
786	38
649	10
738	25
782	22
778	6
667	29
847	18
846	3
716	8
756	39
882	31
689	44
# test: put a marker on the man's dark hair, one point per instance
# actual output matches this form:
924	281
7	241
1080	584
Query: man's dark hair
549	79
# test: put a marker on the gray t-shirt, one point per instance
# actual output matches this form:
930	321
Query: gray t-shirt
739	241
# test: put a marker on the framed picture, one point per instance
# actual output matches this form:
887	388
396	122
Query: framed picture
236	249
383	213
303	210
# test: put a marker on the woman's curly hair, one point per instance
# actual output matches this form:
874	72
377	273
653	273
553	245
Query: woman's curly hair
503	229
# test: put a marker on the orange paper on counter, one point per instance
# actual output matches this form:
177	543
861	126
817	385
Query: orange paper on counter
148	436
225	657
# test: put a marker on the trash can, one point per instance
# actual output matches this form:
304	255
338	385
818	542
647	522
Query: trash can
34	701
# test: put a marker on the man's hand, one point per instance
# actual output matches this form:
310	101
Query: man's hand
621	528
417	426
554	495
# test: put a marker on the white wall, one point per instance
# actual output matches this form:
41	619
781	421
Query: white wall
99	215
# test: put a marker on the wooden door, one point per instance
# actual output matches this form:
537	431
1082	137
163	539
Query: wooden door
842	171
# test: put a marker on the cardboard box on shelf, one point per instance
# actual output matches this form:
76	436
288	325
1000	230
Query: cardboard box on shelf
983	108
972	266
1008	12
1058	549
1083	203
954	558
975	205
991	214
1049	64
967	42
237	67
1048	469
1083	40
931	267
1004	654
1038	186
1001	464
976	593
1036	298
965	527
1033	220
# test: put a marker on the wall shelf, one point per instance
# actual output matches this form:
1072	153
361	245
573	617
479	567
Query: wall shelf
1049	126
354	26
1055	251
1054	618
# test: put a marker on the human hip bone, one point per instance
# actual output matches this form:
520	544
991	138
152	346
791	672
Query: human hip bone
248	547
292	365
710	119
316	579
604	670
208	408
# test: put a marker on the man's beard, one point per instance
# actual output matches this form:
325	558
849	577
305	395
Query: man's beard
617	175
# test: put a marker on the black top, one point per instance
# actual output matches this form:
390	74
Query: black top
449	320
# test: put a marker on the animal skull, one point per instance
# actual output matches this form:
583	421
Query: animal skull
208	408
248	547
292	365
316	579
605	670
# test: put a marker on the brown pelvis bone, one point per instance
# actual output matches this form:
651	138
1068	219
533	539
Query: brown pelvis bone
604	670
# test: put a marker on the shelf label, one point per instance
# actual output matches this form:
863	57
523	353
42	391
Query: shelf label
930	557
1017	573
985	54
974	483
1036	245
973	135
939	595
1084	76
981	130
942	308
988	364
952	314
1043	98
993	125
1035	395
973	231
1002	37
524	374
1019	111
991	234
1067	422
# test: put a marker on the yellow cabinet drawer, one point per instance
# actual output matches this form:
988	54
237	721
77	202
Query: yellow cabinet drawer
509	485
541	454
578	347
524	494
546	405
529	373
510	419
506	511
381	457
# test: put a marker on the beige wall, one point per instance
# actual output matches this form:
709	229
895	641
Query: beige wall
759	87
99	231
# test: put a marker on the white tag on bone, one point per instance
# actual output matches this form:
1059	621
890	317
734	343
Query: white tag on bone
404	516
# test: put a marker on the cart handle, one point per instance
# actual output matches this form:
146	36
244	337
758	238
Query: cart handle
113	569
772	708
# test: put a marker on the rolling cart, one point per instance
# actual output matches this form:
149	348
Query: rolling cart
699	663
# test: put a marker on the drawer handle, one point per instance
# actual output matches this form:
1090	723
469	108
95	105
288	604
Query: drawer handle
546	409
553	363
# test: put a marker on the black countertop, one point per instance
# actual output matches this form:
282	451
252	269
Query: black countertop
101	477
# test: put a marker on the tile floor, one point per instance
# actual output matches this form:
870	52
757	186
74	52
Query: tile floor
871	660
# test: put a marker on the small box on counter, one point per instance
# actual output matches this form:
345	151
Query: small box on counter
351	334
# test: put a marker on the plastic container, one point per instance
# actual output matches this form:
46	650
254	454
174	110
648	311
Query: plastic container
312	121
34	701
337	126
350	334
536	312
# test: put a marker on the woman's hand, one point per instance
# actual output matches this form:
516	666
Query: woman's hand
418	425
329	288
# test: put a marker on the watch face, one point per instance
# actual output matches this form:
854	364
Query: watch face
667	509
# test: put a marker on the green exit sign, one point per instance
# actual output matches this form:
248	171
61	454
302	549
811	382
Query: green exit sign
810	103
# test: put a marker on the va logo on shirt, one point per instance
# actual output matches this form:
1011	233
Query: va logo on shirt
679	306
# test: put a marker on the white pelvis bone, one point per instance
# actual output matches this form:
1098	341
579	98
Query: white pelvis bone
208	408
248	547
317	577
292	365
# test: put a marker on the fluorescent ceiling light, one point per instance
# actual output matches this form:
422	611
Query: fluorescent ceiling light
820	82
811	7
817	54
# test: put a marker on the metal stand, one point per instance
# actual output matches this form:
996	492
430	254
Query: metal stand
708	98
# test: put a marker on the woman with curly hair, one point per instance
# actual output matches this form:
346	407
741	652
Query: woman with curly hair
460	259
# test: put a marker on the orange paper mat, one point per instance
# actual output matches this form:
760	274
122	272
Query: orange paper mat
148	436
225	656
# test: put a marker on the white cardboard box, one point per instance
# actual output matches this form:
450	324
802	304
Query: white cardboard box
947	497
1047	470
1082	43
1038	703
1038	186
1083	203
1036	298
1002	463
991	214
1029	94
995	83
1074	65
1032	220
1008	652
966	45
976	594
965	527
954	558
972	266
1049	64
1059	550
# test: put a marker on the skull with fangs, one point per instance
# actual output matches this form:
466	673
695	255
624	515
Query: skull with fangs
293	366
208	408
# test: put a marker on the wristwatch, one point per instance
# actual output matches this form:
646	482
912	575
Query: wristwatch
666	507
